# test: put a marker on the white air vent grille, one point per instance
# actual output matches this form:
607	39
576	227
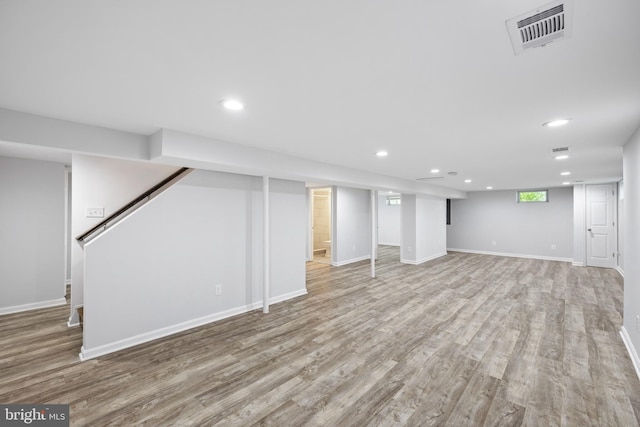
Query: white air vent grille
559	149
541	26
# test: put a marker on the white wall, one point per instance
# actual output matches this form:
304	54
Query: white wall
621	230
352	225
631	250
388	222
518	229
108	183
288	219
423	229
155	272
32	239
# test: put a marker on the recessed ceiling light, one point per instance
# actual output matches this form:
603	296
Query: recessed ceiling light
566	183
435	170
466	181
382	153
565	173
561	157
232	104
556	123
489	188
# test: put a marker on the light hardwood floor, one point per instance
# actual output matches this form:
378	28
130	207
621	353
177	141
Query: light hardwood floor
463	340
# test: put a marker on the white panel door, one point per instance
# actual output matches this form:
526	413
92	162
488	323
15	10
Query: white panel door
601	237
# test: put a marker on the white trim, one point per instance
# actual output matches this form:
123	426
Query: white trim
33	306
577	264
407	261
620	270
389	244
288	296
541	257
631	350
74	319
350	261
86	354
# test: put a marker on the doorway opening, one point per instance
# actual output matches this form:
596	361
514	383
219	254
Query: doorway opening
321	224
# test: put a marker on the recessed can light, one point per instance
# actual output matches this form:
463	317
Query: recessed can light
489	188
232	104
556	123
566	183
467	181
435	170
382	153
561	157
565	173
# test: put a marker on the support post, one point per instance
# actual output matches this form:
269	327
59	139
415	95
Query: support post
265	291
374	231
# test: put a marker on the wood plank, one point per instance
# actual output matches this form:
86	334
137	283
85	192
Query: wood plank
466	339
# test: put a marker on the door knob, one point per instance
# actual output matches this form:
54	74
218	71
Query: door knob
588	229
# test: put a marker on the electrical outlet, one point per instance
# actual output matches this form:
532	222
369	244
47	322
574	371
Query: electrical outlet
354	248
638	323
95	213
218	289
553	247
494	243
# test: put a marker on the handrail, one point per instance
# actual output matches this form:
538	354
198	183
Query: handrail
146	195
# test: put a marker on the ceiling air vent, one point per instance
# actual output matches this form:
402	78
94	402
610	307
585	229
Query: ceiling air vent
559	149
541	26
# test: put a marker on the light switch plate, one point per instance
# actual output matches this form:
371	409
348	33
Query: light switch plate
95	213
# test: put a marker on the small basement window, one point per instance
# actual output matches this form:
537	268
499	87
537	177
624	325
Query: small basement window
533	196
393	200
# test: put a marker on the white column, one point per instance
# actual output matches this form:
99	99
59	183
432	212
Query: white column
265	291
374	231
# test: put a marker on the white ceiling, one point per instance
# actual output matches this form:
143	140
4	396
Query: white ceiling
436	84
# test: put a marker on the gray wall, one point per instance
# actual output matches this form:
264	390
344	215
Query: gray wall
631	249
494	222
352	225
388	222
423	229
156	272
110	184
32	240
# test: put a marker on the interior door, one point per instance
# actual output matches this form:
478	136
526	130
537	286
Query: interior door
601	237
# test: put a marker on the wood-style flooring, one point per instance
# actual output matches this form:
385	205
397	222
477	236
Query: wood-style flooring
463	340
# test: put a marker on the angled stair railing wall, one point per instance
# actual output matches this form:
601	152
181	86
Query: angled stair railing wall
127	209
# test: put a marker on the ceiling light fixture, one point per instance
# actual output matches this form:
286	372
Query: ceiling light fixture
435	170
467	181
565	173
561	157
382	153
566	183
489	188
232	104
556	123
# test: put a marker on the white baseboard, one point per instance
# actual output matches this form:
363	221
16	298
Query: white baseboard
620	270
541	257
577	264
423	260
350	261
86	354
33	306
631	350
389	244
